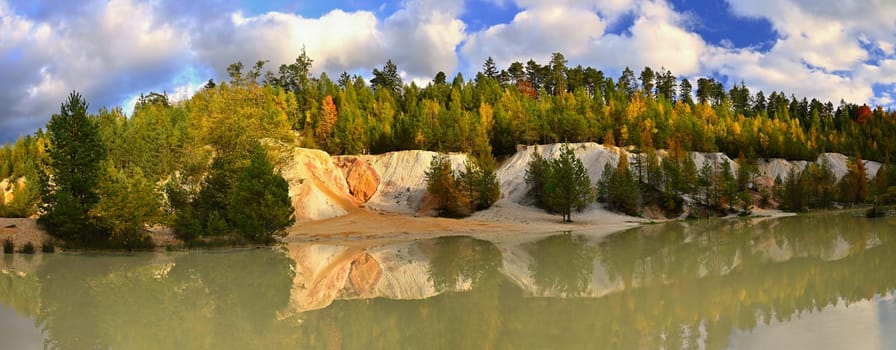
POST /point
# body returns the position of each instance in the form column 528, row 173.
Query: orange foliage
column 863, row 114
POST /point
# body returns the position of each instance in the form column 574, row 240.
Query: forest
column 175, row 143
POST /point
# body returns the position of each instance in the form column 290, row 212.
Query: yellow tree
column 328, row 117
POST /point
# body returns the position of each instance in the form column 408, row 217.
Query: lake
column 814, row 281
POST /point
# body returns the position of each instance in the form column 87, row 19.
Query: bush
column 48, row 247
column 8, row 247
column 28, row 248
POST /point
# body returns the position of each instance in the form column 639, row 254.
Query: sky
column 111, row 51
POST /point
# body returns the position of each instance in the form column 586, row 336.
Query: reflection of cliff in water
column 567, row 265
column 669, row 285
column 673, row 285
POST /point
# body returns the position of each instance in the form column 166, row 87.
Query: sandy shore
column 504, row 221
column 21, row 231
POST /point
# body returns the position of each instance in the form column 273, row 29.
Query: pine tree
column 619, row 187
column 537, row 172
column 568, row 187
column 387, row 79
column 489, row 68
column 74, row 159
column 260, row 207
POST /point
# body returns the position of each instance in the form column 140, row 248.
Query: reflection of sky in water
column 18, row 332
column 868, row 324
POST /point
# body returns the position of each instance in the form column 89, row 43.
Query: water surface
column 817, row 281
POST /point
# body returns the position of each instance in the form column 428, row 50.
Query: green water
column 818, row 281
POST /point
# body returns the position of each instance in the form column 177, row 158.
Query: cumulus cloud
column 536, row 33
column 105, row 55
column 420, row 38
column 111, row 51
column 658, row 36
column 335, row 41
column 823, row 49
column 828, row 49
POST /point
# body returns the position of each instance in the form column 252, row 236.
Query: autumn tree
column 854, row 185
column 442, row 184
column 128, row 204
column 328, row 120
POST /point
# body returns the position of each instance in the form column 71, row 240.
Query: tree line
column 674, row 183
column 524, row 103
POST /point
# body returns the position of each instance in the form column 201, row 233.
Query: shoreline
column 505, row 221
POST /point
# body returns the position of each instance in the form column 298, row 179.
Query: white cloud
column 105, row 55
column 121, row 48
column 111, row 51
column 335, row 41
column 658, row 37
column 536, row 33
column 420, row 38
column 820, row 52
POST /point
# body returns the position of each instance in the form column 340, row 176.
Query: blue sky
column 113, row 50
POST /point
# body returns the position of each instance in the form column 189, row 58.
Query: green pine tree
column 568, row 187
column 75, row 153
column 260, row 207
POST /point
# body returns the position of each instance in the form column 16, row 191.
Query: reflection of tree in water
column 719, row 275
column 460, row 259
column 21, row 293
column 563, row 264
column 220, row 301
column 197, row 300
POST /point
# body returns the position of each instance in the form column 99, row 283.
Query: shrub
column 48, row 247
column 28, row 248
column 8, row 247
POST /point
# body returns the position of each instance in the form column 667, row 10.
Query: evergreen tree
column 619, row 187
column 260, row 207
column 792, row 193
column 74, row 159
column 387, row 79
column 490, row 69
column 568, row 187
column 537, row 172
column 684, row 94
